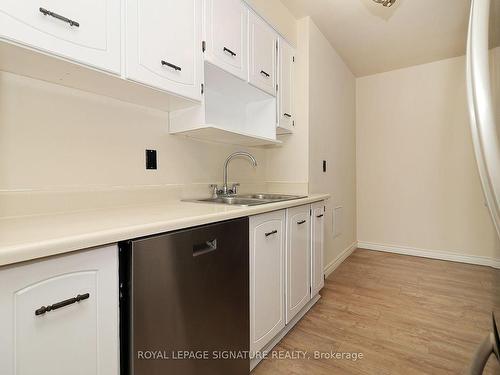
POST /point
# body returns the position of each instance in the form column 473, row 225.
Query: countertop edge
column 23, row 252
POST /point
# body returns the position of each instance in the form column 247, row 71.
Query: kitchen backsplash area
column 63, row 144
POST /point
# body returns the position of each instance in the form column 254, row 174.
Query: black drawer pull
column 46, row 12
column 175, row 67
column 265, row 74
column 229, row 51
column 44, row 309
column 205, row 247
column 271, row 233
column 287, row 115
column 301, row 222
column 320, row 216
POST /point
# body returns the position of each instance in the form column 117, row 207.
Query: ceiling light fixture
column 386, row 3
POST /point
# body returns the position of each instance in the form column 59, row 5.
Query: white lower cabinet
column 286, row 268
column 59, row 315
column 298, row 258
column 267, row 277
column 317, row 247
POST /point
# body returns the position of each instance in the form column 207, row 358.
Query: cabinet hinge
column 202, row 89
column 293, row 58
column 203, row 46
column 310, row 212
column 310, row 290
column 276, row 87
column 293, row 122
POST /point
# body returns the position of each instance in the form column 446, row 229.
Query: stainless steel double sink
column 246, row 200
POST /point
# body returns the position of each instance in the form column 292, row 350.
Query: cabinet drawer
column 87, row 31
column 59, row 315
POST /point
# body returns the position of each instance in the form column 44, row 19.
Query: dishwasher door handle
column 205, row 247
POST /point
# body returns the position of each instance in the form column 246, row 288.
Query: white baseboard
column 433, row 254
column 330, row 267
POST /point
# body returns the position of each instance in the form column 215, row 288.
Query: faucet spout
column 231, row 157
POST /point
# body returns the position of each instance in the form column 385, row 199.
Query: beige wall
column 417, row 181
column 289, row 162
column 277, row 15
column 332, row 137
column 53, row 137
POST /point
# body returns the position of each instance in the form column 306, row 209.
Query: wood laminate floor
column 407, row 315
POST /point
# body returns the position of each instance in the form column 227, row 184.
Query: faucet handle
column 234, row 189
column 215, row 190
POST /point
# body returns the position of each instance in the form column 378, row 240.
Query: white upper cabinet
column 262, row 41
column 59, row 315
column 226, row 23
column 298, row 283
column 86, row 31
column 267, row 277
column 317, row 247
column 286, row 112
column 163, row 44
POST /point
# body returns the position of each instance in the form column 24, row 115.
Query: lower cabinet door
column 317, row 247
column 267, row 267
column 298, row 280
column 59, row 316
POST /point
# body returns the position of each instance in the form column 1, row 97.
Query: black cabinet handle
column 229, row 51
column 264, row 74
column 205, row 247
column 46, row 12
column 271, row 233
column 301, row 222
column 44, row 309
column 287, row 115
column 320, row 216
column 175, row 67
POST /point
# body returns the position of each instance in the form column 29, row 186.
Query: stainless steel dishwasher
column 184, row 302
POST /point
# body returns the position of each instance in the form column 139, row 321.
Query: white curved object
column 481, row 109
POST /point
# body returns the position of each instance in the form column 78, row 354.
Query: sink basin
column 274, row 197
column 249, row 199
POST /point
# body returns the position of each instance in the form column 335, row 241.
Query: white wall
column 417, row 180
column 332, row 137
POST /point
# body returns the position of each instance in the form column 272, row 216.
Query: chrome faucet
column 234, row 189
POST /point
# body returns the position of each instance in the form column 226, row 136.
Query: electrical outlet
column 151, row 161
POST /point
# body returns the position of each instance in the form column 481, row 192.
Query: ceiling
column 373, row 39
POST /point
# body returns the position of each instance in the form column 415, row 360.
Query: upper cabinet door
column 164, row 45
column 263, row 44
column 226, row 23
column 298, row 284
column 86, row 31
column 286, row 118
column 317, row 249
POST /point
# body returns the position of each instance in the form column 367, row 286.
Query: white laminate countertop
column 31, row 237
